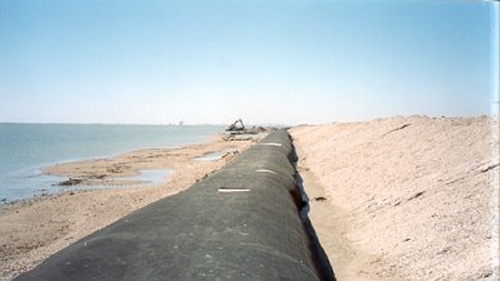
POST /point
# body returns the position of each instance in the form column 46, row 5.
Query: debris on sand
column 70, row 182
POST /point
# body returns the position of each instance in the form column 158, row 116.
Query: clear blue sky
column 286, row 62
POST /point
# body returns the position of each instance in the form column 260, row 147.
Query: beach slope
column 404, row 198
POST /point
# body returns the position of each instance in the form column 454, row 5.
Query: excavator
column 237, row 126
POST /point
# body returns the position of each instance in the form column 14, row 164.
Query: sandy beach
column 402, row 198
column 32, row 230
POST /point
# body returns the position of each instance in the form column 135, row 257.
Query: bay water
column 26, row 148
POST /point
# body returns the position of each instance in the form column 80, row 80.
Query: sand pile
column 411, row 198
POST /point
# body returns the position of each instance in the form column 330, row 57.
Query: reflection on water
column 214, row 156
column 34, row 183
column 152, row 177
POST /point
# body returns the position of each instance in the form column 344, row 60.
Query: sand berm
column 401, row 198
column 408, row 198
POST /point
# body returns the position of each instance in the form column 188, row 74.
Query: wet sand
column 32, row 230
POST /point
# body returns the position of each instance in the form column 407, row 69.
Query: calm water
column 25, row 148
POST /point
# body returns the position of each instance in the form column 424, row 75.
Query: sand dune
column 408, row 198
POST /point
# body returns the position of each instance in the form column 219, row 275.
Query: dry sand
column 407, row 198
column 32, row 230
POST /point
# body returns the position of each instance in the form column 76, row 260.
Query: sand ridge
column 408, row 198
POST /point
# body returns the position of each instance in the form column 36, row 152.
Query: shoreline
column 399, row 198
column 33, row 229
column 30, row 148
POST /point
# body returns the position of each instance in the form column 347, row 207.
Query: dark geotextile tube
column 247, row 221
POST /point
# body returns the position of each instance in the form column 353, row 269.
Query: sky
column 267, row 62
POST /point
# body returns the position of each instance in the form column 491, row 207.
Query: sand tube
column 241, row 223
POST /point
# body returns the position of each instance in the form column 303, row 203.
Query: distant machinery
column 236, row 126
